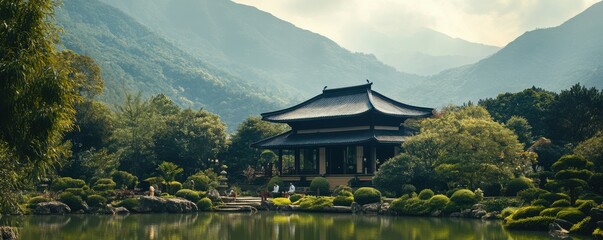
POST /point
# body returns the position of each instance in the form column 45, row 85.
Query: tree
column 240, row 154
column 522, row 129
column 169, row 171
column 468, row 148
column 592, row 149
column 395, row 173
column 571, row 175
column 576, row 115
column 533, row 104
column 37, row 96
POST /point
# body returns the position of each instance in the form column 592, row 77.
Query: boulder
column 371, row 208
column 356, row 207
column 491, row 215
column 456, row 215
column 8, row 233
column 435, row 213
column 565, row 225
column 478, row 213
column 477, row 206
column 121, row 211
column 161, row 205
column 54, row 207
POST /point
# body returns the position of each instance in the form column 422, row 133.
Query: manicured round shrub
column 410, row 206
column 530, row 194
column 188, row 194
column 498, row 204
column 551, row 212
column 561, row 203
column 526, row 212
column 104, row 184
column 579, row 174
column 592, row 196
column 276, row 180
column 74, row 202
column 129, row 203
column 63, row 183
column 508, row 211
column 426, row 194
column 96, row 201
column 571, row 162
column 320, row 185
column 586, row 226
column 173, row 187
column 342, row 200
column 518, row 184
column 586, row 205
column 35, row 200
column 552, row 197
column 311, row 203
column 367, row 195
column 531, row 223
column 340, row 188
column 77, row 192
column 281, row 201
column 540, row 202
column 204, row 204
column 295, row 197
column 463, row 197
column 345, row 193
column 124, row 180
column 571, row 214
column 200, row 182
column 438, row 202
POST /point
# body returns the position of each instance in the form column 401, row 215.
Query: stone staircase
column 241, row 204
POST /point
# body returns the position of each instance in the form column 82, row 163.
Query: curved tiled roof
column 292, row 139
column 346, row 102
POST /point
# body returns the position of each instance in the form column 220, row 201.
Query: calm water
column 264, row 225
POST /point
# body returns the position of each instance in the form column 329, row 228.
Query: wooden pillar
column 322, row 161
column 373, row 159
column 297, row 162
column 359, row 155
column 280, row 161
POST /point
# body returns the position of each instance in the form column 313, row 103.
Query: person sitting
column 291, row 189
column 275, row 189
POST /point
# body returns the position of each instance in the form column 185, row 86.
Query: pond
column 263, row 225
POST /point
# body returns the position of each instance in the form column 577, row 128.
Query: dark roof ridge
column 357, row 88
column 397, row 102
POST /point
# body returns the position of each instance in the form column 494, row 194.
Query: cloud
column 494, row 22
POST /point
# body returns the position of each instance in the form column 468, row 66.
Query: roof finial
column 324, row 88
column 367, row 81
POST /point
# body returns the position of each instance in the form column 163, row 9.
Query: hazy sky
column 493, row 22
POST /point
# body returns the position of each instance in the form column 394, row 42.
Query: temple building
column 341, row 134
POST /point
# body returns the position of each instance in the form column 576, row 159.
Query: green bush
column 426, row 194
column 200, row 182
column 508, row 211
column 74, row 202
column 281, row 201
column 438, row 202
column 561, row 203
column 531, row 223
column 173, row 187
column 571, row 214
column 411, row 206
column 320, row 185
column 569, row 173
column 586, row 205
column 530, row 194
column 498, row 204
column 204, row 204
column 552, row 197
column 453, row 207
column 345, row 193
column 592, row 196
column 96, row 201
column 463, row 197
column 366, row 195
column 63, row 183
column 35, row 200
column 540, row 202
column 340, row 188
column 342, row 200
column 276, row 180
column 77, row 192
column 188, row 194
column 104, row 184
column 129, row 203
column 551, row 212
column 315, row 203
column 526, row 212
column 166, row 195
column 571, row 162
column 518, row 184
column 124, row 180
column 295, row 197
column 598, row 234
column 586, row 226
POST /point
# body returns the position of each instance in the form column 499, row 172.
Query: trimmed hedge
column 411, row 206
column 508, row 211
column 35, row 200
column 340, row 188
column 96, row 201
column 463, row 197
column 63, row 183
column 552, row 197
column 518, row 184
column 295, row 197
column 281, row 201
column 173, row 187
column 586, row 226
column 129, row 203
column 276, row 180
column 571, row 214
column 104, row 184
column 561, row 203
column 426, row 194
column 201, row 182
column 320, row 185
column 315, row 203
column 204, row 204
column 367, row 195
column 498, row 204
column 73, row 201
column 124, row 180
column 586, row 205
column 530, row 194
column 540, row 202
column 551, row 212
column 342, row 200
column 345, row 193
column 531, row 223
column 438, row 202
column 526, row 212
column 188, row 194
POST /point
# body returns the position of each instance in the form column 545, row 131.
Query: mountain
column 134, row 59
column 423, row 51
column 262, row 49
column 552, row 58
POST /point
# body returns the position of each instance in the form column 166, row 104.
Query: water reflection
column 265, row 225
